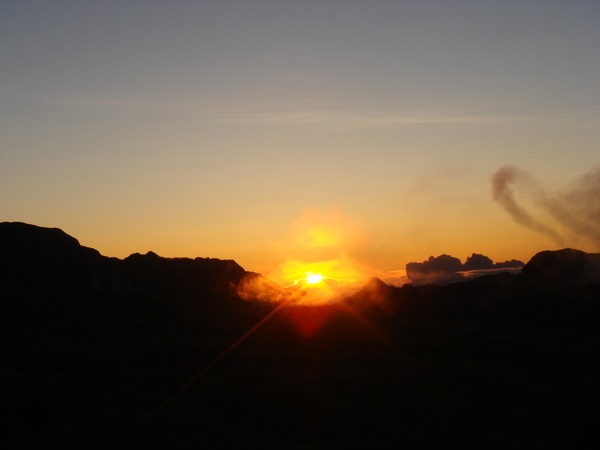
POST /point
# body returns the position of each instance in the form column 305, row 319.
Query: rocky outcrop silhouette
column 34, row 255
column 374, row 295
column 563, row 269
column 186, row 276
column 45, row 272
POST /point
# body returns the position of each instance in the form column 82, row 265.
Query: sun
column 314, row 278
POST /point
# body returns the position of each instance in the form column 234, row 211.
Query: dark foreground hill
column 145, row 352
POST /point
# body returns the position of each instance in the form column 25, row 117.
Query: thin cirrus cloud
column 107, row 103
column 352, row 120
column 315, row 118
column 338, row 119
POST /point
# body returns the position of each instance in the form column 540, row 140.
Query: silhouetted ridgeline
column 46, row 269
column 43, row 265
column 91, row 345
column 558, row 286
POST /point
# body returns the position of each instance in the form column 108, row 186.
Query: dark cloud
column 442, row 263
column 575, row 212
column 478, row 262
column 512, row 264
column 445, row 269
column 442, row 269
column 482, row 262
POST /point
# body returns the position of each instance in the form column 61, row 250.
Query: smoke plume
column 575, row 212
column 503, row 194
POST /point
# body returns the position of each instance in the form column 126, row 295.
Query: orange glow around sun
column 319, row 282
column 317, row 270
column 317, row 229
column 343, row 270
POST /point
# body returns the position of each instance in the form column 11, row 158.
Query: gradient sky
column 217, row 128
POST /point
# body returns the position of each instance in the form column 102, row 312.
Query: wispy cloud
column 337, row 119
column 104, row 102
column 341, row 119
column 124, row 103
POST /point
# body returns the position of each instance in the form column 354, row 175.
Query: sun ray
column 198, row 374
column 358, row 316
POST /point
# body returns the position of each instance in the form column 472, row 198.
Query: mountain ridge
column 45, row 266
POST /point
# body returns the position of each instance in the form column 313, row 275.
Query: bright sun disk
column 314, row 278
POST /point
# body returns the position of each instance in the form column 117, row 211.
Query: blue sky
column 208, row 128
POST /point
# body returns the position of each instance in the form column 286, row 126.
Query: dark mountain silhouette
column 189, row 276
column 47, row 271
column 44, row 258
column 562, row 269
column 152, row 352
column 374, row 295
column 558, row 286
